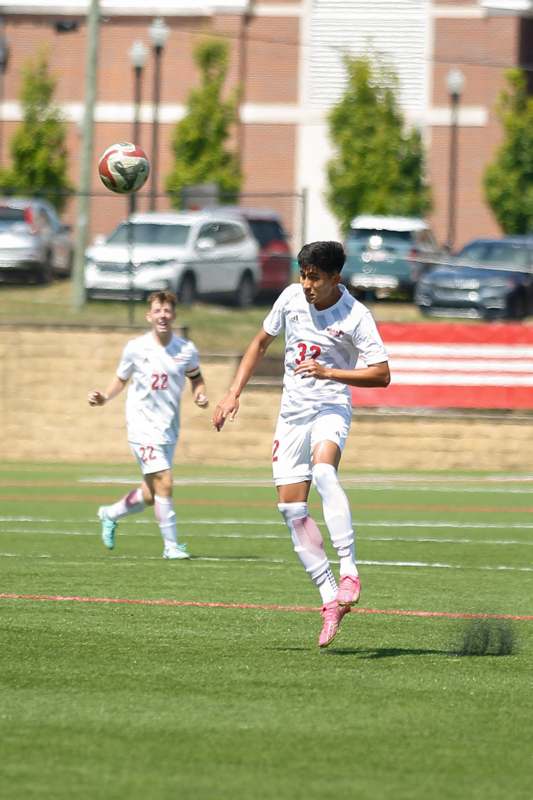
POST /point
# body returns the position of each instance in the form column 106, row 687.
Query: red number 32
column 314, row 351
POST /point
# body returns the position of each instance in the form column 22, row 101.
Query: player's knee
column 162, row 484
column 292, row 511
column 324, row 478
column 148, row 495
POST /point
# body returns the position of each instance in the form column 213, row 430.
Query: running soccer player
column 157, row 363
column 326, row 330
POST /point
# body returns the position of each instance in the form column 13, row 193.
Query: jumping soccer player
column 157, row 364
column 326, row 330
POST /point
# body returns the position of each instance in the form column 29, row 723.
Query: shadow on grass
column 386, row 652
column 480, row 637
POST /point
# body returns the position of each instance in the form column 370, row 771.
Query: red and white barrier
column 455, row 365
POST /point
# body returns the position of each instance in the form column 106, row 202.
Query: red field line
column 256, row 606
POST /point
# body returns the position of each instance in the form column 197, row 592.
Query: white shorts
column 153, row 458
column 294, row 443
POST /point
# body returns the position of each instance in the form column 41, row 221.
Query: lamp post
column 455, row 83
column 4, row 54
column 137, row 54
column 158, row 32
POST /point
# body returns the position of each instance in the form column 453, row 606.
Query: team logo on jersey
column 335, row 332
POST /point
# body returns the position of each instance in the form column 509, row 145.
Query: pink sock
column 131, row 503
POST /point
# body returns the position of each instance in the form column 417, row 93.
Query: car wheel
column 67, row 273
column 245, row 294
column 517, row 307
column 46, row 272
column 187, row 291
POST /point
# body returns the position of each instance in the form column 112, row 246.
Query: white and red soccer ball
column 124, row 168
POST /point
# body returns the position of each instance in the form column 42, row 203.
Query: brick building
column 287, row 56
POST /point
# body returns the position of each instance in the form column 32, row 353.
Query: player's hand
column 226, row 409
column 311, row 368
column 96, row 398
column 201, row 400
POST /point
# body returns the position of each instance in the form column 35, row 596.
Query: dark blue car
column 487, row 279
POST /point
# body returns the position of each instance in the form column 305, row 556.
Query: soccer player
column 157, row 364
column 326, row 330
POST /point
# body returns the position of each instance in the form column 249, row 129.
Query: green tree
column 39, row 161
column 379, row 164
column 508, row 180
column 200, row 137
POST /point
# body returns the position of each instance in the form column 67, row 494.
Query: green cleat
column 109, row 527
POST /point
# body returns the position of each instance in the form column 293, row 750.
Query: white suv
column 197, row 254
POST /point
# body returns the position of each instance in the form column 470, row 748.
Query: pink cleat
column 349, row 591
column 332, row 615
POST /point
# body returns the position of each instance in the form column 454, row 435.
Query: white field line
column 265, row 523
column 283, row 536
column 128, row 560
column 183, row 523
column 278, row 537
column 376, row 482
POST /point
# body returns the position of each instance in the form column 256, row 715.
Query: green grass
column 137, row 702
column 215, row 328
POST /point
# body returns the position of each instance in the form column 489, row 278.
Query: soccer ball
column 123, row 168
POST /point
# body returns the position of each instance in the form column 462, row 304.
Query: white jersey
column 336, row 337
column 157, row 379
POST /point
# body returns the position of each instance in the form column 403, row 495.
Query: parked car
column 487, row 279
column 197, row 254
column 275, row 260
column 386, row 255
column 34, row 244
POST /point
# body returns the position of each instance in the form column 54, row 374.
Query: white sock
column 131, row 503
column 337, row 516
column 309, row 546
column 166, row 518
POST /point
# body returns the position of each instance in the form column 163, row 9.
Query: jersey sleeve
column 274, row 322
column 367, row 339
column 126, row 363
column 192, row 369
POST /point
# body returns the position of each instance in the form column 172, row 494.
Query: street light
column 4, row 55
column 158, row 32
column 455, row 83
column 138, row 54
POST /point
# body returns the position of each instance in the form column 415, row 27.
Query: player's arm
column 374, row 375
column 229, row 405
column 198, row 389
column 97, row 398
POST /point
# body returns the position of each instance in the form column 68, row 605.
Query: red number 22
column 159, row 380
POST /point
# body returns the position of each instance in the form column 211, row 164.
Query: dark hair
column 162, row 297
column 327, row 256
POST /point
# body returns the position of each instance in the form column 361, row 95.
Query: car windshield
column 363, row 238
column 499, row 254
column 150, row 233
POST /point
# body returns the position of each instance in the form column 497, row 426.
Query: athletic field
column 126, row 677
